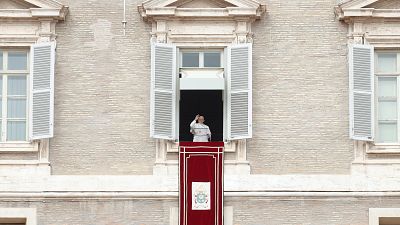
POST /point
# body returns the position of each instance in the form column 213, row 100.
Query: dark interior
column 204, row 102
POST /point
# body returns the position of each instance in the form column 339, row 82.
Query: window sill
column 18, row 147
column 383, row 149
column 173, row 147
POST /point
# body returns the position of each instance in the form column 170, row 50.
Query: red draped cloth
column 201, row 183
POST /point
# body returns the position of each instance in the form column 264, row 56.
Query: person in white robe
column 200, row 131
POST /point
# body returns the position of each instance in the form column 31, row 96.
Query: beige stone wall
column 102, row 91
column 99, row 212
column 307, row 211
column 246, row 211
column 300, row 90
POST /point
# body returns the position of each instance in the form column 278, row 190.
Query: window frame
column 4, row 96
column 376, row 101
column 201, row 57
column 201, row 51
column 17, row 214
column 376, row 213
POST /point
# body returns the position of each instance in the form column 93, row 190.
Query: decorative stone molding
column 371, row 22
column 364, row 9
column 152, row 9
column 30, row 21
column 201, row 22
column 37, row 9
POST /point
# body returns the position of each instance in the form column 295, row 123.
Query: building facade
column 96, row 95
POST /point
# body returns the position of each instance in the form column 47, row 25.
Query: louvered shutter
column 42, row 91
column 361, row 74
column 239, row 94
column 163, row 91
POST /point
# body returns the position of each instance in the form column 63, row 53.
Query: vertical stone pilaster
column 46, row 30
column 43, row 147
column 358, row 33
column 161, row 31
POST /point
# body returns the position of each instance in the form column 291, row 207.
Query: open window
column 208, row 103
column 373, row 71
column 26, row 93
column 212, row 44
column 374, row 89
column 220, row 79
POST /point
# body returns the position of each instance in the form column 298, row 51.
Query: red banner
column 201, row 183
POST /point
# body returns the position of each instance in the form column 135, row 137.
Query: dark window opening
column 204, row 102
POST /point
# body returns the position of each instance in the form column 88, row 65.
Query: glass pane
column 1, row 60
column 16, row 131
column 16, row 108
column 17, row 60
column 388, row 110
column 190, row 59
column 16, row 85
column 387, row 86
column 212, row 59
column 387, row 132
column 387, row 63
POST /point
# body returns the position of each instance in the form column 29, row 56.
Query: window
column 201, row 70
column 14, row 72
column 374, row 91
column 386, row 97
column 26, row 93
column 201, row 59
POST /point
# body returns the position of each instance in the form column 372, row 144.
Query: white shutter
column 239, row 94
column 361, row 74
column 163, row 91
column 41, row 91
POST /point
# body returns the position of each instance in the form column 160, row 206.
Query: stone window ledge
column 383, row 149
column 18, row 147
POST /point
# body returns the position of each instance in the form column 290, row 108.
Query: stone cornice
column 165, row 3
column 200, row 12
column 356, row 4
column 45, row 3
column 354, row 9
column 153, row 9
column 45, row 9
column 344, row 14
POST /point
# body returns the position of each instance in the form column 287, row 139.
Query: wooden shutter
column 42, row 91
column 163, row 91
column 239, row 91
column 361, row 74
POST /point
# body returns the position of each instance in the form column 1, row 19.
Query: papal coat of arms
column 201, row 196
